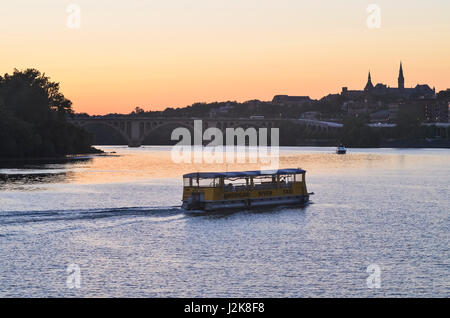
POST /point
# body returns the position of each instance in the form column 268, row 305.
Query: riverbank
column 8, row 162
column 421, row 143
column 393, row 143
column 418, row 143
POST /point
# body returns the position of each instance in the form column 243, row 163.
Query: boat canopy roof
column 209, row 175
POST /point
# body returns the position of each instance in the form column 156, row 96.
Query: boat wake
column 15, row 217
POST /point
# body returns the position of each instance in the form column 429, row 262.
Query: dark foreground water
column 117, row 219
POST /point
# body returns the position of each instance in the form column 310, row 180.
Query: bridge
column 318, row 124
column 135, row 129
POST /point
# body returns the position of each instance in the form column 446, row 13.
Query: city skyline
column 172, row 54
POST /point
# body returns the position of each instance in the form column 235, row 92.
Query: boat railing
column 284, row 185
column 260, row 186
column 233, row 187
column 265, row 186
column 236, row 188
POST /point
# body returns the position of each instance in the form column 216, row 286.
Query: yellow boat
column 209, row 191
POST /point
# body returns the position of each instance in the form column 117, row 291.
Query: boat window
column 265, row 182
column 286, row 180
column 205, row 183
column 299, row 177
column 236, row 184
column 187, row 182
column 264, row 179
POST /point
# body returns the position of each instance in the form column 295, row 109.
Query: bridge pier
column 134, row 143
column 135, row 133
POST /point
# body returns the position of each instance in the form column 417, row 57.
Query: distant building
column 369, row 85
column 379, row 90
column 393, row 112
column 331, row 98
column 381, row 116
column 401, row 78
column 257, row 117
column 311, row 115
column 431, row 110
column 287, row 100
column 352, row 94
column 444, row 97
column 219, row 111
column 436, row 112
column 355, row 107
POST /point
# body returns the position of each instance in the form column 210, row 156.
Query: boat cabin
column 243, row 188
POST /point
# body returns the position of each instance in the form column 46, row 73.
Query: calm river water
column 118, row 220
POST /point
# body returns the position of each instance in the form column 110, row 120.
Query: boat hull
column 298, row 200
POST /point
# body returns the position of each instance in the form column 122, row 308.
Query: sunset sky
column 171, row 53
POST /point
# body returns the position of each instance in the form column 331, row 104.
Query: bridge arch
column 150, row 129
column 116, row 128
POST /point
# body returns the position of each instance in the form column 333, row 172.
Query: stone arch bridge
column 136, row 129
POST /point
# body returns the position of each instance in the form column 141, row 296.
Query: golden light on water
column 155, row 163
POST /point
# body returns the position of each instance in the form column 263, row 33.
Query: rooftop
column 237, row 174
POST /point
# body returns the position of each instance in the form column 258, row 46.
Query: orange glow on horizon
column 172, row 54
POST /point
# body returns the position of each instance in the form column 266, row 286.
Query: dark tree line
column 33, row 115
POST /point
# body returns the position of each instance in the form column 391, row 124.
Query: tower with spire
column 369, row 84
column 401, row 79
column 380, row 89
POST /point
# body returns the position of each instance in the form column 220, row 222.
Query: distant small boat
column 341, row 150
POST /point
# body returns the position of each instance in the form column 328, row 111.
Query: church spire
column 401, row 78
column 369, row 84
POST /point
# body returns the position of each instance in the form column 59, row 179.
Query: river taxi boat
column 210, row 191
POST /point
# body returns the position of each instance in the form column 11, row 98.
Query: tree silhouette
column 33, row 115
